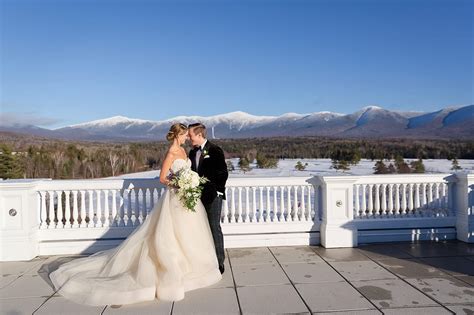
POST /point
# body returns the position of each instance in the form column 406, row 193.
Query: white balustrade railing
column 266, row 200
column 399, row 196
column 79, row 204
column 45, row 217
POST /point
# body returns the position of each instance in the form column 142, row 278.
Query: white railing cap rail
column 92, row 184
column 384, row 179
column 268, row 181
column 406, row 178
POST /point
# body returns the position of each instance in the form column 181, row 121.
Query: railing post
column 19, row 220
column 464, row 207
column 337, row 227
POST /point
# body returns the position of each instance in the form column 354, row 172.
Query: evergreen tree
column 300, row 167
column 417, row 166
column 10, row 166
column 401, row 166
column 266, row 162
column 244, row 164
column 340, row 165
column 380, row 167
column 455, row 165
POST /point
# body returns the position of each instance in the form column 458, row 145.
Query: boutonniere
column 205, row 154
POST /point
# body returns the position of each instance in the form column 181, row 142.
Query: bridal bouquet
column 188, row 187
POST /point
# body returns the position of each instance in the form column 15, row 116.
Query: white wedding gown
column 170, row 253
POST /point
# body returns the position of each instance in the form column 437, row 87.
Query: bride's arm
column 165, row 167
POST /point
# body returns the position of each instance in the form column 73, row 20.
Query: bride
column 170, row 253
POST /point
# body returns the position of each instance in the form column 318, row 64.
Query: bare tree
column 58, row 161
column 114, row 162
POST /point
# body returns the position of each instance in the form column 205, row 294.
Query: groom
column 208, row 160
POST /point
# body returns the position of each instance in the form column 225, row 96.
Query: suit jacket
column 212, row 165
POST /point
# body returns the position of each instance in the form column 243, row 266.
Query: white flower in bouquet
column 188, row 186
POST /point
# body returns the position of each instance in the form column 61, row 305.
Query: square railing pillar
column 464, row 207
column 337, row 226
column 19, row 220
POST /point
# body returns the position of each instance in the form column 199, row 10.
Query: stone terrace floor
column 397, row 278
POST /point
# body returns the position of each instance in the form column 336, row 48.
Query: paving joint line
column 347, row 281
column 291, row 281
column 233, row 280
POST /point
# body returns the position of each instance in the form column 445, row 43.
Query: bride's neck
column 175, row 145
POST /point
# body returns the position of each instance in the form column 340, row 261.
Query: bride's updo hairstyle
column 175, row 131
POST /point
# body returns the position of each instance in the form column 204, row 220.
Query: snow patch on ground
column 286, row 167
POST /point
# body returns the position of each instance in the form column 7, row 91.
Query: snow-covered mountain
column 369, row 122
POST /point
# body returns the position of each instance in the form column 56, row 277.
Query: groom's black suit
column 212, row 165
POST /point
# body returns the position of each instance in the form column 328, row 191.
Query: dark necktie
column 198, row 156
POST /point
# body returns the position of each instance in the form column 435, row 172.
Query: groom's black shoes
column 221, row 269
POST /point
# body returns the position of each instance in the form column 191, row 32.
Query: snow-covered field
column 286, row 167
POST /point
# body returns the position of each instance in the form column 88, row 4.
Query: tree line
column 61, row 159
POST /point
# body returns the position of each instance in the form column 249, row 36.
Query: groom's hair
column 198, row 128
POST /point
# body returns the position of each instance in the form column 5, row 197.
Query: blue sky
column 65, row 62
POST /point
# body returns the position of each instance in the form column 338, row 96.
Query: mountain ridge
column 368, row 122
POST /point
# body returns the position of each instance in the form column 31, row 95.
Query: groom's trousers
column 214, row 216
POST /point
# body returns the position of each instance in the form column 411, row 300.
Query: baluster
column 122, row 215
column 404, row 199
column 152, row 200
column 107, row 217
column 44, row 212
column 357, row 211
column 424, row 200
column 130, row 212
column 364, row 200
column 281, row 217
column 267, row 210
column 397, row 199
column 225, row 218
column 98, row 213
column 144, row 208
column 90, row 212
column 390, row 200
column 232, row 205
column 309, row 217
column 370, row 206
column 384, row 200
column 254, row 204
column 438, row 200
column 288, row 204
column 136, row 210
column 303, row 205
column 67, row 210
column 60, row 210
column 82, row 210
column 75, row 210
column 260, row 210
column 274, row 218
column 113, row 220
column 430, row 198
column 417, row 198
column 377, row 200
column 247, row 204
column 53, row 218
column 410, row 199
column 239, row 206
column 294, row 213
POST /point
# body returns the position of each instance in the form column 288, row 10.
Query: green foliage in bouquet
column 188, row 186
